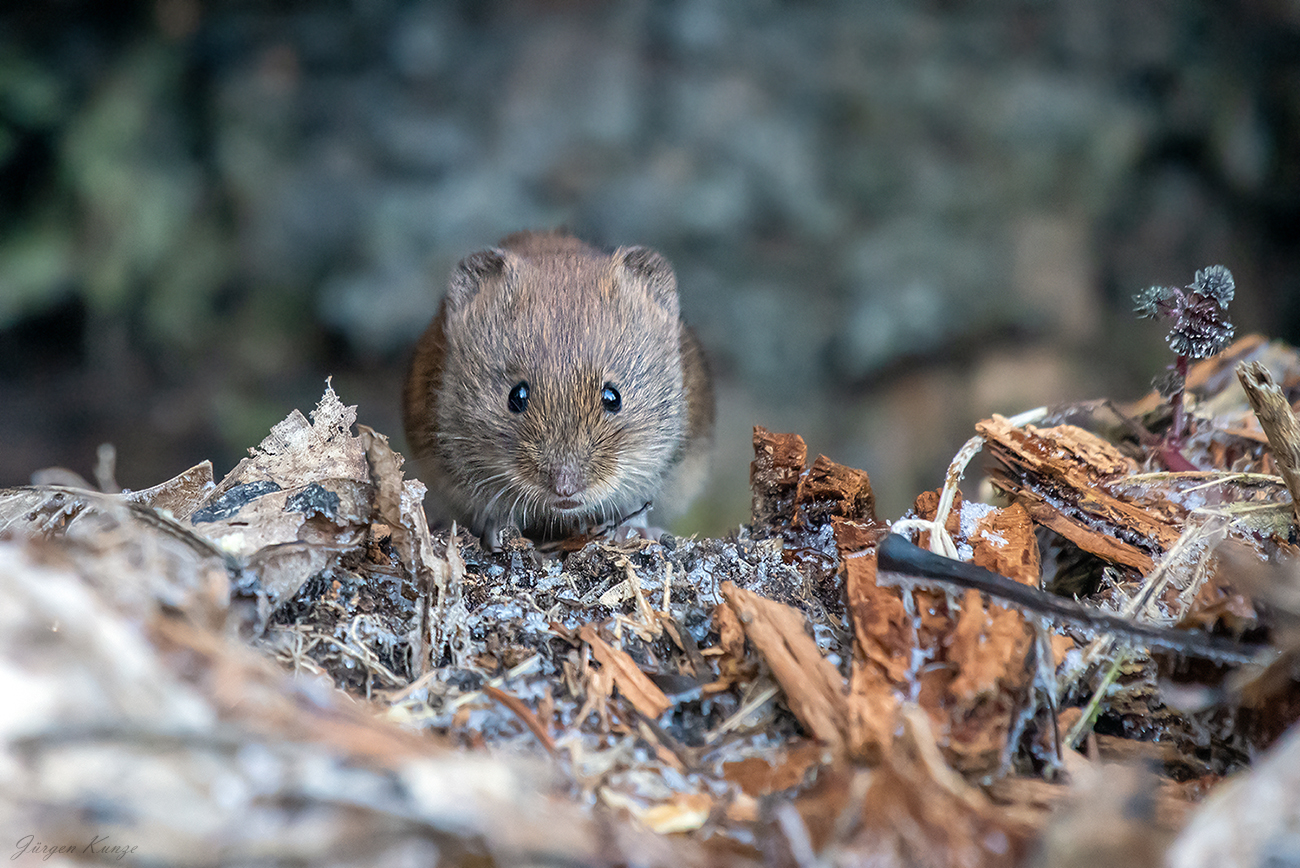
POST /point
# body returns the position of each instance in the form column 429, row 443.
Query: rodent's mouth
column 566, row 503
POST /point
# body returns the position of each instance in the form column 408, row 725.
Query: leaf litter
column 290, row 666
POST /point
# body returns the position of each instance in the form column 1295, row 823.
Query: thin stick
column 900, row 560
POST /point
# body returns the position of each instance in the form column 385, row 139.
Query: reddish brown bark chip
column 731, row 635
column 988, row 645
column 779, row 461
column 965, row 664
column 912, row 809
column 813, row 687
column 854, row 536
column 1061, row 477
column 830, row 489
column 783, row 770
column 883, row 630
column 882, row 643
column 1004, row 542
column 926, row 505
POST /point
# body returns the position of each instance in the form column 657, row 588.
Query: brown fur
column 549, row 310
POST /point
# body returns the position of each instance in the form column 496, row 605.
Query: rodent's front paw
column 492, row 539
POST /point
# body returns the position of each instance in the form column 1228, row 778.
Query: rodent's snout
column 567, row 481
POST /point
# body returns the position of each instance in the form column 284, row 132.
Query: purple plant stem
column 1174, row 460
column 1170, row 451
column 1177, row 428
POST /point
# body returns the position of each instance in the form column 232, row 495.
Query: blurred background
column 888, row 219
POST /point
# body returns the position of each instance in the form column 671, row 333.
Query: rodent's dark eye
column 518, row 400
column 610, row 399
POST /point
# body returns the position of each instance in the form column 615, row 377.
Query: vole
column 557, row 390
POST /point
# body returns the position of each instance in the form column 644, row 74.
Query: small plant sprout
column 1201, row 329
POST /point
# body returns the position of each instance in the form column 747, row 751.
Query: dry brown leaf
column 386, row 473
column 298, row 502
column 178, row 496
column 169, row 565
column 298, row 452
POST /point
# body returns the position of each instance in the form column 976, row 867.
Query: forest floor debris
column 288, row 665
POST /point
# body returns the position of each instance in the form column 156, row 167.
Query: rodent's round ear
column 650, row 270
column 473, row 273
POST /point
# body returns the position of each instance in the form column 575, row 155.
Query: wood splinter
column 1279, row 423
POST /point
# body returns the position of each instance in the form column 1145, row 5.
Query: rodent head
column 562, row 401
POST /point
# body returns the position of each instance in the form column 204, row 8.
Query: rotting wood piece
column 779, row 462
column 785, row 490
column 1062, row 477
column 966, row 663
column 883, row 639
column 830, row 489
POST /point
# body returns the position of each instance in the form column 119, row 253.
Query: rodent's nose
column 567, row 480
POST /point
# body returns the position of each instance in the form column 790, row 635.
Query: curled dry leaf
column 298, row 502
column 172, row 566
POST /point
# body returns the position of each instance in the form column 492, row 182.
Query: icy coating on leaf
column 1215, row 282
column 1201, row 327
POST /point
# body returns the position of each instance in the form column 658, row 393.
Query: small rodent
column 558, row 390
